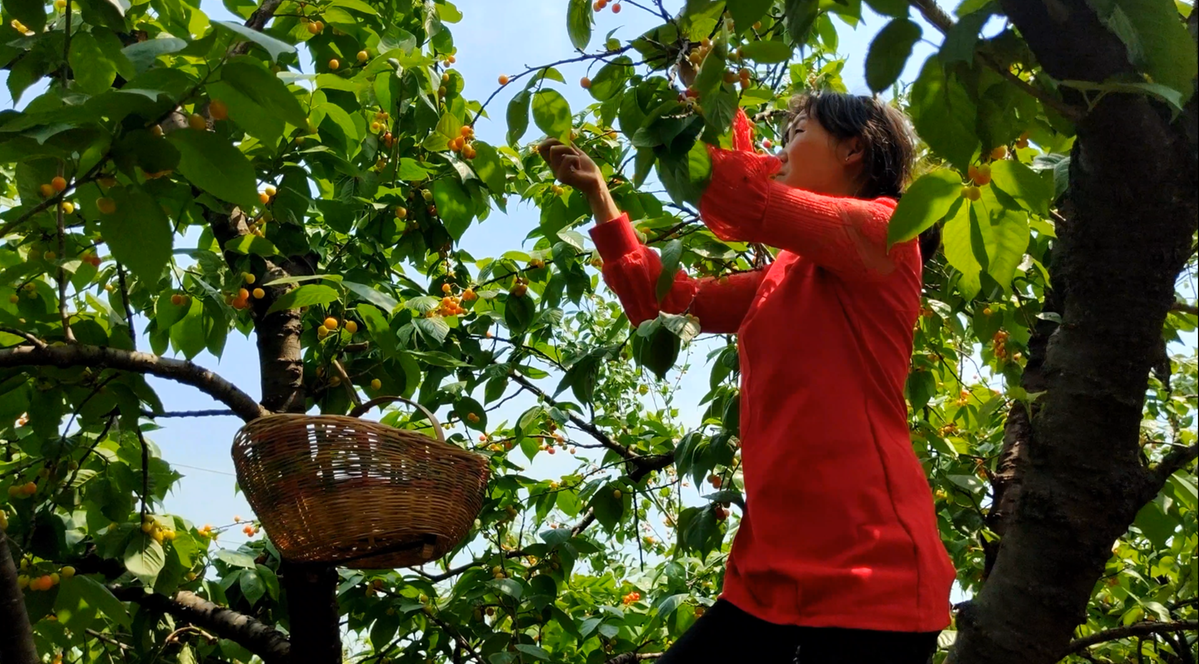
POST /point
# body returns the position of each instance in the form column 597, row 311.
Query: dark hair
column 888, row 143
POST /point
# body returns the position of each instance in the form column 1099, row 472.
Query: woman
column 838, row 557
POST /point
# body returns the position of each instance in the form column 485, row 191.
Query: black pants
column 728, row 635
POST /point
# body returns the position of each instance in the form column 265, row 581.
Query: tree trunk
column 16, row 636
column 1114, row 269
column 311, row 590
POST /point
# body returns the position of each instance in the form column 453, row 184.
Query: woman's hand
column 571, row 166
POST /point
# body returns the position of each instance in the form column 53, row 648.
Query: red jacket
column 839, row 528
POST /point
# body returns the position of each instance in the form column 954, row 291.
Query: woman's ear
column 850, row 152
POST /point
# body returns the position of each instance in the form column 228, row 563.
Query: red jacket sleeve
column 847, row 236
column 631, row 269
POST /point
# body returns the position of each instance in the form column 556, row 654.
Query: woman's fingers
column 544, row 148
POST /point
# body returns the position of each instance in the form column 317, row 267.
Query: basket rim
column 247, row 435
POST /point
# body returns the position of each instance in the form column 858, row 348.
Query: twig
column 26, row 335
column 515, row 77
column 107, row 639
column 141, row 439
column 185, row 372
column 630, row 657
column 586, row 426
column 213, row 412
column 1137, row 629
column 943, row 22
column 1185, row 308
column 125, row 304
column 1176, row 460
column 67, row 334
column 462, row 642
column 17, row 646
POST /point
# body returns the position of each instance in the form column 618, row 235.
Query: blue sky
column 493, row 38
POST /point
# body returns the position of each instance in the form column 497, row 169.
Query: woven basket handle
column 360, row 410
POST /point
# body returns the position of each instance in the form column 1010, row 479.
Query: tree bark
column 186, row 372
column 311, row 590
column 16, row 635
column 262, row 640
column 1132, row 189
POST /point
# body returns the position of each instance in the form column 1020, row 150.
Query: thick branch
column 1136, row 629
column 80, row 355
column 16, row 645
column 262, row 640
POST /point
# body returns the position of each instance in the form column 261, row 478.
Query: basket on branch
column 355, row 493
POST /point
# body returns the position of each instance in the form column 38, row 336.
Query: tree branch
column 1176, row 460
column 16, row 646
column 1185, row 308
column 630, row 657
column 1137, row 629
column 262, row 640
column 178, row 370
column 943, row 22
column 583, row 424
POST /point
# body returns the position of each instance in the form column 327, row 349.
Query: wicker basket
column 356, row 493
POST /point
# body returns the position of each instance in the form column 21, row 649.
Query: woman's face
column 816, row 161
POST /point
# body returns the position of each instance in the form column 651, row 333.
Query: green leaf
column 235, row 558
column 655, row 347
column 962, row 38
column 578, row 23
column 188, row 335
column 378, row 329
column 611, row 78
column 686, row 176
column 608, row 505
column 138, row 233
column 924, row 203
column 767, row 52
column 255, row 81
column 895, row 8
column 380, row 299
column 800, row 15
column 144, row 54
column 551, row 112
column 536, row 652
column 272, row 46
column 248, row 114
column 1010, row 236
column 1156, row 38
column 1031, row 189
column 144, row 558
column 166, row 313
column 671, row 254
column 747, row 12
column 251, row 586
column 80, row 594
column 518, row 312
column 305, row 296
column 435, row 329
column 454, row 206
column 252, row 244
column 699, row 531
column 212, row 163
column 30, row 12
column 489, row 167
column 889, row 52
column 509, row 587
column 518, row 116
column 959, row 251
column 94, row 72
column 944, row 115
